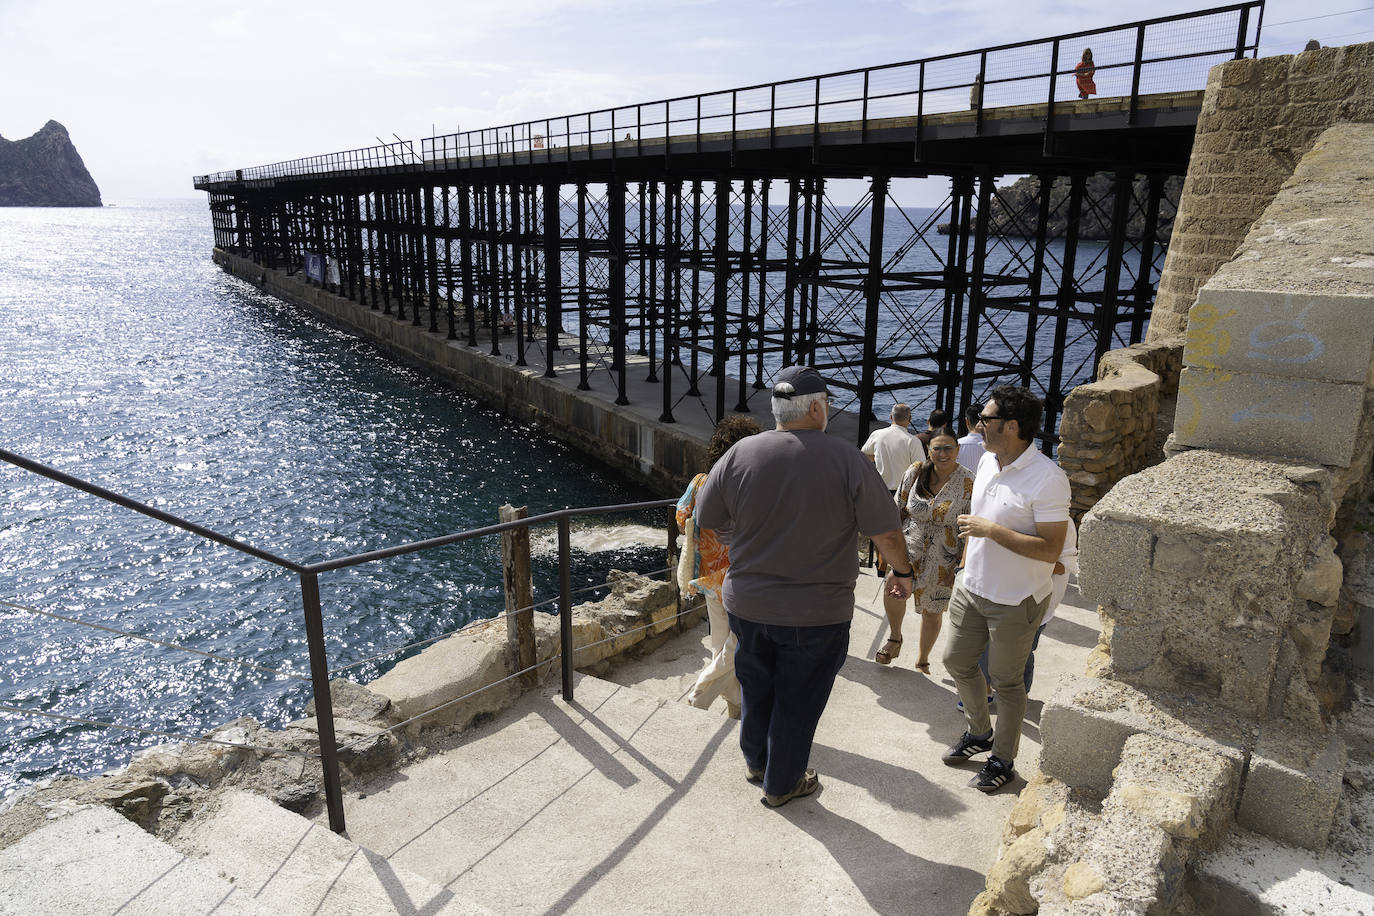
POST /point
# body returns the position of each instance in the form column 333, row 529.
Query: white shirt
column 894, row 449
column 1060, row 581
column 971, row 450
column 1031, row 490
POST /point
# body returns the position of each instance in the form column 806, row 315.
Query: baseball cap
column 795, row 380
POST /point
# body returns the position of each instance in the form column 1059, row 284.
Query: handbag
column 687, row 559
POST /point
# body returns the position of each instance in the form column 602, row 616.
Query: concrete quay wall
column 662, row 456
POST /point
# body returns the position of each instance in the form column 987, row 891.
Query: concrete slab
column 296, row 867
column 1248, row 413
column 1252, row 874
column 1289, row 796
column 628, row 800
column 1288, row 334
column 94, row 862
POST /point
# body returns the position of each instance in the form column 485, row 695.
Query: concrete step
column 623, row 802
column 296, row 867
column 1252, row 875
column 94, row 862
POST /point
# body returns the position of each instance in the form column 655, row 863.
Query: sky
column 156, row 92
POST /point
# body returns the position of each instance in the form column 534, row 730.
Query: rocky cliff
column 45, row 170
column 1014, row 208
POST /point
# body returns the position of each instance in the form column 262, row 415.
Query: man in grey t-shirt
column 797, row 500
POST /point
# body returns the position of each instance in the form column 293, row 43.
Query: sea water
column 128, row 359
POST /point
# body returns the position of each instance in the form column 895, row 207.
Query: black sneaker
column 995, row 774
column 966, row 747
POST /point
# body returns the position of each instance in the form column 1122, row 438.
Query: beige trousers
column 717, row 679
column 1007, row 631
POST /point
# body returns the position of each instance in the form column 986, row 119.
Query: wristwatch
column 909, row 574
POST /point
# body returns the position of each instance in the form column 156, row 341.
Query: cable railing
column 1150, row 56
column 320, row 670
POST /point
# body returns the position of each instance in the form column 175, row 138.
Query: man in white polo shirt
column 894, row 448
column 1016, row 527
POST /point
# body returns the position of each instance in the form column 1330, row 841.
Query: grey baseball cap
column 795, row 380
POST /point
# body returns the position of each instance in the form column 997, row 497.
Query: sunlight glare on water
column 128, row 359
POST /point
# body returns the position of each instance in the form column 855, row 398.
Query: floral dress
column 713, row 557
column 932, row 533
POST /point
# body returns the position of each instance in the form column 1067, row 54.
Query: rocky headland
column 1015, row 208
column 45, row 170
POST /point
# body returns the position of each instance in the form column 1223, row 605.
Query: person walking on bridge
column 1083, row 75
column 796, row 500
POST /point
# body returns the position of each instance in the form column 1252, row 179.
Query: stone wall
column 1258, row 118
column 1220, row 577
column 1108, row 426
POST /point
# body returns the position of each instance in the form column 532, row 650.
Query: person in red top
column 1083, row 75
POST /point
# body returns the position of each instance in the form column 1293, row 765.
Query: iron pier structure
column 701, row 236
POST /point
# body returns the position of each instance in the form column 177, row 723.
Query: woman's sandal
column 884, row 657
column 923, row 667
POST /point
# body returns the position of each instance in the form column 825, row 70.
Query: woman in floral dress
column 717, row 679
column 931, row 497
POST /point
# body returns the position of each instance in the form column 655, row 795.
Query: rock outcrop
column 45, row 170
column 1015, row 208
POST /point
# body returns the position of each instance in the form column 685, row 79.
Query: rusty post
column 519, row 587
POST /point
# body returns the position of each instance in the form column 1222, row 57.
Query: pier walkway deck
column 630, row 801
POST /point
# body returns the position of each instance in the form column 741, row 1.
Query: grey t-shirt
column 797, row 500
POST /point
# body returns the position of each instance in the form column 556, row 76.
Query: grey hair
column 790, row 410
column 901, row 413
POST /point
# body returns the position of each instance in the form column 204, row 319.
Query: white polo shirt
column 971, row 450
column 1030, row 490
column 894, row 450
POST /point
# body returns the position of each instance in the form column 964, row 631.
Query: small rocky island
column 1015, row 207
column 45, row 170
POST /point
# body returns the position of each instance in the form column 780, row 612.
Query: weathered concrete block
column 1187, row 791
column 1247, row 413
column 445, row 672
column 1086, row 724
column 1113, row 560
column 1289, row 334
column 1291, row 791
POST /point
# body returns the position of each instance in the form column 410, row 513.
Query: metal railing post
column 1135, row 76
column 324, row 705
column 565, row 630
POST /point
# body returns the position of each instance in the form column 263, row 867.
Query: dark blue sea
column 129, row 359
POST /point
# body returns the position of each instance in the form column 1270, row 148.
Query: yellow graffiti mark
column 1189, row 392
column 1205, row 342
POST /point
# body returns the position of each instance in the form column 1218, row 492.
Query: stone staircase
column 248, row 857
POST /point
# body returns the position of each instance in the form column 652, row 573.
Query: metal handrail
column 310, row 599
column 476, row 146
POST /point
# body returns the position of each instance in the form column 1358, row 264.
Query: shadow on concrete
column 901, row 787
column 615, row 856
column 601, row 759
column 891, row 879
column 1073, row 634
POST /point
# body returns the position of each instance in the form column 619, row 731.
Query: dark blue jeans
column 785, row 676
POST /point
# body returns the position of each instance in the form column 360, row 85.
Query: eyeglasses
column 943, row 448
column 984, row 418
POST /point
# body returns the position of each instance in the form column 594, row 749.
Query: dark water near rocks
column 129, row 359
